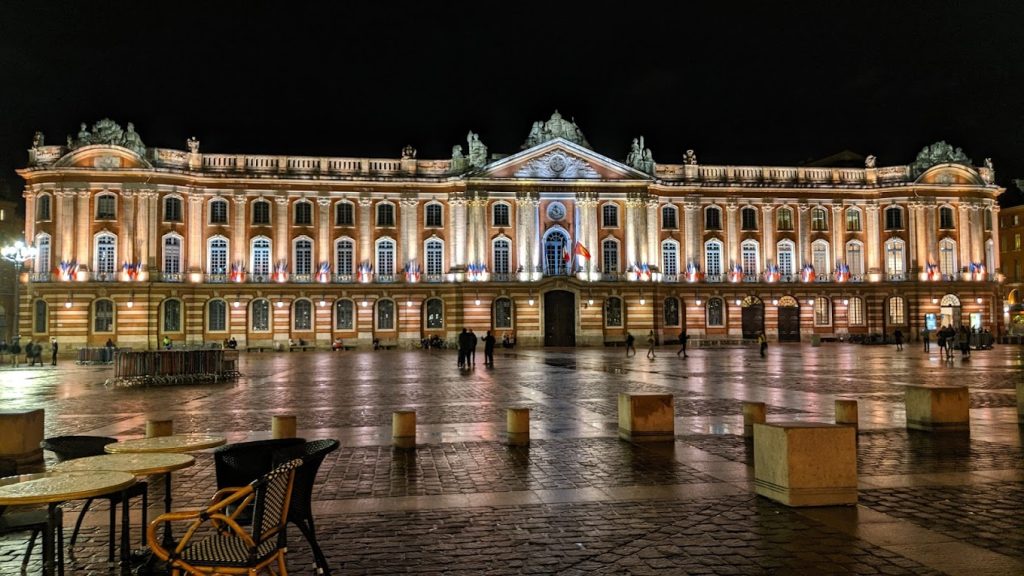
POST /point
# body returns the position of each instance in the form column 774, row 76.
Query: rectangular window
column 853, row 221
column 819, row 220
column 896, row 316
column 343, row 214
column 217, row 319
column 433, row 216
column 713, row 219
column 303, row 213
column 786, row 262
column 501, row 216
column 385, row 215
column 713, row 257
column 748, row 219
column 218, row 212
column 261, row 213
column 822, row 312
column 668, row 218
column 610, row 257
column 105, row 208
column 784, row 219
column 501, row 257
column 893, row 218
column 172, row 210
column 610, row 216
column 39, row 318
column 1016, row 241
column 344, row 319
column 856, row 312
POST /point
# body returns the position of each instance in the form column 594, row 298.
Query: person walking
column 463, row 342
column 683, row 337
column 762, row 341
column 629, row 344
column 897, row 335
column 53, row 351
column 472, row 347
column 926, row 335
column 940, row 339
column 489, row 341
column 15, row 351
column 650, row 344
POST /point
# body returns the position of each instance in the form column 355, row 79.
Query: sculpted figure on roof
column 555, row 127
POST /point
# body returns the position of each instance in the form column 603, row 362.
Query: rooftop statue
column 193, row 145
column 38, row 140
column 555, row 127
column 477, row 150
column 408, row 152
column 870, row 161
column 458, row 160
column 690, row 158
column 640, row 157
column 938, row 153
column 107, row 131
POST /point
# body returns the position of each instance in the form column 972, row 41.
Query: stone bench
column 938, row 408
column 722, row 342
column 301, row 347
column 806, row 463
column 21, row 431
column 387, row 344
column 647, row 417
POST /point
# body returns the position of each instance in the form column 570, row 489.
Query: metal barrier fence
column 103, row 355
column 172, row 367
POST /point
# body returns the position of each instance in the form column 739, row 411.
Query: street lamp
column 17, row 254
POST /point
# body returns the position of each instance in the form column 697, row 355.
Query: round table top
column 138, row 463
column 59, row 486
column 176, row 443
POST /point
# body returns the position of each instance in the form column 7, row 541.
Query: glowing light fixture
column 810, row 301
column 978, row 300
column 365, row 303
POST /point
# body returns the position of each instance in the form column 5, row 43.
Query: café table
column 137, row 464
column 54, row 488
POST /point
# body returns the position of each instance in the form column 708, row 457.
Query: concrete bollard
column 518, row 423
column 647, row 417
column 753, row 413
column 806, row 463
column 403, row 429
column 283, row 427
column 156, row 427
column 21, row 431
column 846, row 413
column 938, row 408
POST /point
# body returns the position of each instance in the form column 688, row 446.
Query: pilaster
column 239, row 242
column 282, row 245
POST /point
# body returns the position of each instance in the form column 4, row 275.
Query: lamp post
column 17, row 254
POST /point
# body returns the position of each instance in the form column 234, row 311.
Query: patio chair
column 224, row 547
column 238, row 464
column 301, row 511
column 33, row 521
column 72, row 447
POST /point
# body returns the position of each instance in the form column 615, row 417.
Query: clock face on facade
column 556, row 211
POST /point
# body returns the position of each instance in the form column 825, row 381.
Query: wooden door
column 559, row 318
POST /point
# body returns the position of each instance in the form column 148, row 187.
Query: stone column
column 407, row 229
column 767, row 235
column 912, row 259
column 30, row 218
column 732, row 235
column 691, row 247
column 632, row 242
column 471, row 231
column 838, row 235
column 127, row 226
column 533, row 216
column 873, row 250
column 964, row 227
column 921, row 235
column 323, row 231
column 152, row 230
column 195, row 233
column 62, row 244
column 83, row 243
column 996, row 264
column 977, row 234
column 239, row 242
column 522, row 238
column 930, row 231
column 582, row 220
column 803, row 242
column 481, row 230
column 459, row 232
column 365, row 240
column 282, row 246
column 142, row 228
column 652, row 231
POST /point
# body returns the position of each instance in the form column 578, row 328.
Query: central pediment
column 560, row 159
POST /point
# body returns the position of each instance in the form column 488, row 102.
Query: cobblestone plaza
column 579, row 500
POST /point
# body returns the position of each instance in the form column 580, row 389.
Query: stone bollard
column 283, row 427
column 21, row 431
column 403, row 429
column 159, row 427
column 1020, row 401
column 647, row 417
column 846, row 413
column 806, row 463
column 753, row 413
column 938, row 408
column 518, row 423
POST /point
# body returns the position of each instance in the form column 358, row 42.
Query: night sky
column 741, row 83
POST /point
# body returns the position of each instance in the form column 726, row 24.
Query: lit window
column 106, row 207
column 822, row 311
column 896, row 311
column 216, row 316
column 502, row 256
column 261, row 315
column 715, row 312
column 613, row 312
column 303, row 256
column 302, row 314
column 503, row 313
column 218, row 260
column 855, row 312
column 385, row 315
column 433, row 216
column 610, row 256
column 852, row 220
column 784, row 219
column 385, row 257
column 219, row 212
column 344, row 318
column 261, row 213
column 343, row 257
column 434, row 252
column 713, row 258
column 713, row 218
column 670, row 257
column 819, row 220
column 500, row 215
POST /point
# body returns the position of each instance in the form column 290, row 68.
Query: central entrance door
column 753, row 316
column 559, row 318
column 789, row 319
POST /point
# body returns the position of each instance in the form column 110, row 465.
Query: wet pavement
column 579, row 500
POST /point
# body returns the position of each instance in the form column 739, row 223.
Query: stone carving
column 988, row 163
column 640, row 157
column 107, row 131
column 555, row 127
column 690, row 158
column 193, row 145
column 870, row 161
column 557, row 164
column 477, row 150
column 38, row 140
column 938, row 153
column 408, row 152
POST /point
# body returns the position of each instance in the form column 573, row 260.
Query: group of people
column 33, row 351
column 950, row 339
column 467, row 348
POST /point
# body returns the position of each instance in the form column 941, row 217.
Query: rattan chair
column 33, row 521
column 238, row 464
column 301, row 511
column 72, row 447
column 214, row 542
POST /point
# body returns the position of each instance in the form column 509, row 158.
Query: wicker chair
column 224, row 547
column 238, row 464
column 301, row 511
column 33, row 521
column 72, row 447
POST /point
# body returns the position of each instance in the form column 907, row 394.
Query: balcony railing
column 342, row 278
column 170, row 277
column 436, row 278
column 105, row 276
column 302, row 278
column 40, row 277
column 216, row 278
column 385, row 278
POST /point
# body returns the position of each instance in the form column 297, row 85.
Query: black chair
column 301, row 511
column 238, row 464
column 33, row 521
column 72, row 447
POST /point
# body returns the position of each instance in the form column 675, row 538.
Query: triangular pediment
column 560, row 159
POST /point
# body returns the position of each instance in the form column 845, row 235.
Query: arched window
column 784, row 250
column 302, row 257
column 855, row 257
column 302, row 314
column 217, row 316
column 344, row 315
column 613, row 312
column 819, row 219
column 40, row 317
column 218, row 211
column 610, row 256
column 43, row 203
column 820, row 258
column 344, row 256
column 500, row 215
column 106, row 253
column 672, row 312
column 610, row 216
column 893, row 218
column 748, row 218
column 670, row 257
column 217, row 255
column 894, row 257
column 303, row 210
column 260, row 213
column 502, row 255
column 260, row 261
column 713, row 218
column 897, row 307
column 344, row 214
column 106, row 207
column 750, row 254
column 947, row 257
column 713, row 258
column 946, row 221
column 172, row 255
column 172, row 315
column 853, row 219
column 260, row 315
column 556, row 246
column 385, row 314
column 716, row 312
column 432, row 215
column 385, row 214
column 103, row 316
column 172, row 209
column 855, row 311
column 434, row 314
column 433, row 252
column 784, row 220
column 42, row 262
column 503, row 314
column 385, row 256
column 822, row 311
column 669, row 217
column 988, row 220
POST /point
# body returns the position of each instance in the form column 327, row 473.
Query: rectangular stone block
column 806, row 463
column 753, row 413
column 847, row 413
column 938, row 408
column 21, row 431
column 647, row 417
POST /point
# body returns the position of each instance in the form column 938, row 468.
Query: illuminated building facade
column 553, row 245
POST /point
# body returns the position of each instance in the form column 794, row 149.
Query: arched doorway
column 753, row 316
column 949, row 311
column 556, row 247
column 559, row 318
column 789, row 319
